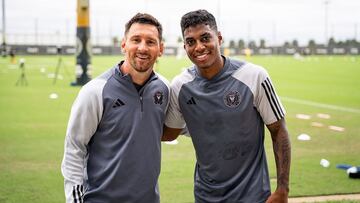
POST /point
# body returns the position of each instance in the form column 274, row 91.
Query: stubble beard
column 140, row 68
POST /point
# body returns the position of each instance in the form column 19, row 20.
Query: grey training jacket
column 113, row 140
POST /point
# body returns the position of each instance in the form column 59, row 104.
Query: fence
column 111, row 50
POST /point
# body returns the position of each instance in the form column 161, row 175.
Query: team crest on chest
column 232, row 99
column 158, row 97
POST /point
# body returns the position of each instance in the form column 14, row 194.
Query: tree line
column 252, row 44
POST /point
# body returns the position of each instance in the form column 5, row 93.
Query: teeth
column 201, row 56
column 142, row 56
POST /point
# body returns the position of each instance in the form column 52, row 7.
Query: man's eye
column 205, row 39
column 151, row 42
column 190, row 42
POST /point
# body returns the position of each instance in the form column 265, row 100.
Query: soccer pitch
column 321, row 95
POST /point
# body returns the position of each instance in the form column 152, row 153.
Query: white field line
column 320, row 105
column 325, row 198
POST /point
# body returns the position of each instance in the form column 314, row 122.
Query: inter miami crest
column 158, row 98
column 232, row 99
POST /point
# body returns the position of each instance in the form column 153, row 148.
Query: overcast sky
column 275, row 21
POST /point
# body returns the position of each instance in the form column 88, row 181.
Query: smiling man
column 224, row 103
column 113, row 140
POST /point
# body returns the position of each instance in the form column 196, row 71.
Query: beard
column 141, row 66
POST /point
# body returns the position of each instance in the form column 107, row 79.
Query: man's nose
column 199, row 46
column 143, row 46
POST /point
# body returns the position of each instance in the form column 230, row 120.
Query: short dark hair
column 144, row 18
column 198, row 17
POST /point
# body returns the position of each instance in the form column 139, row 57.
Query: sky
column 276, row 21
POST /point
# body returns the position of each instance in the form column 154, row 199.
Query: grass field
column 32, row 126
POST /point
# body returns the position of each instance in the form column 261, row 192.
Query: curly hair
column 198, row 17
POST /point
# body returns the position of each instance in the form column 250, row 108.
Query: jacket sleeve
column 85, row 116
column 174, row 117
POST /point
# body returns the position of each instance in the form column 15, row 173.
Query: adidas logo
column 118, row 103
column 191, row 101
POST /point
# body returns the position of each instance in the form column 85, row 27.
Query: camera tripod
column 58, row 66
column 22, row 78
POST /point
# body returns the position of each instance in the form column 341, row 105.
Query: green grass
column 32, row 126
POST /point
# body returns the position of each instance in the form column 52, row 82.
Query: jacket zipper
column 142, row 91
column 141, row 103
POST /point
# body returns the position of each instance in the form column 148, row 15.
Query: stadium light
column 36, row 29
column 3, row 30
column 274, row 33
column 326, row 4
column 355, row 31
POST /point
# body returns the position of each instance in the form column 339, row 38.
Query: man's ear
column 123, row 43
column 161, row 49
column 220, row 38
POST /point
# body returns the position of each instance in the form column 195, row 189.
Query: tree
column 340, row 44
column 241, row 44
column 179, row 40
column 262, row 43
column 115, row 41
column 351, row 43
column 311, row 43
column 232, row 44
column 295, row 44
column 312, row 46
column 286, row 44
column 331, row 42
column 252, row 44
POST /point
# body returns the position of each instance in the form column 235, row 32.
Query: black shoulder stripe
column 274, row 103
column 268, row 97
column 276, row 99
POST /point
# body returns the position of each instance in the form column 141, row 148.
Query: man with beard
column 113, row 140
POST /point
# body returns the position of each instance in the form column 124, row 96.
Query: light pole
column 248, row 32
column 355, row 31
column 326, row 3
column 274, row 33
column 3, row 51
column 36, row 31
